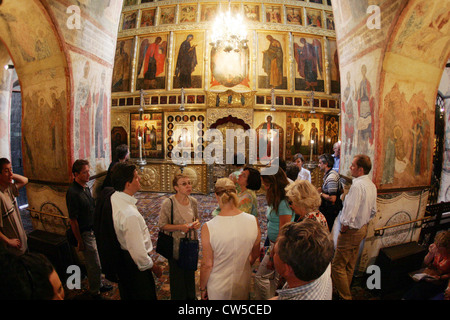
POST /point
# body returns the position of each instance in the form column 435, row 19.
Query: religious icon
column 129, row 20
column 149, row 132
column 308, row 55
column 271, row 61
column 148, row 18
column 122, row 66
column 188, row 13
column 167, row 15
column 188, row 60
column 294, row 15
column 151, row 71
column 251, row 12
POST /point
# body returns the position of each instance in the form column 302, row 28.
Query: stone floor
column 149, row 205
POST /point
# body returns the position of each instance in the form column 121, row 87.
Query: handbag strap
column 171, row 211
column 171, row 214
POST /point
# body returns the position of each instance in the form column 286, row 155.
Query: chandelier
column 229, row 32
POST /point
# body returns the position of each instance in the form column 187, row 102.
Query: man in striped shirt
column 330, row 191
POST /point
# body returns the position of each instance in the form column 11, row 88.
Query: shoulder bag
column 188, row 253
column 164, row 244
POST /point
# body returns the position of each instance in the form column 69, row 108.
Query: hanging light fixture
column 229, row 33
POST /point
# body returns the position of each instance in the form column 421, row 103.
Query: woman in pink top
column 437, row 263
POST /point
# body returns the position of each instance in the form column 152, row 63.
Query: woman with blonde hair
column 230, row 245
column 305, row 200
column 184, row 223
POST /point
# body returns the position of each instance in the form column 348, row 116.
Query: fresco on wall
column 188, row 60
column 91, row 112
column 348, row 108
column 122, row 65
column 359, row 104
column 272, row 56
column 423, row 32
column 350, row 13
column 48, row 108
column 150, row 130
column 308, row 54
column 301, row 130
column 151, row 67
column 407, row 140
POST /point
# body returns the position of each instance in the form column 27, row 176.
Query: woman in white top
column 230, row 245
column 185, row 222
column 304, row 174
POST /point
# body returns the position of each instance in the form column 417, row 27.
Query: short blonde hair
column 226, row 191
column 303, row 194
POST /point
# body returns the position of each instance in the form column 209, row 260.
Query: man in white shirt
column 359, row 207
column 135, row 276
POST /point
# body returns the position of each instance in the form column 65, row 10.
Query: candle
column 312, row 145
column 140, row 147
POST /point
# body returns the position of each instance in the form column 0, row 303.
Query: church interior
column 80, row 77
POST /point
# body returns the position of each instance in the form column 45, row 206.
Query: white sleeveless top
column 232, row 239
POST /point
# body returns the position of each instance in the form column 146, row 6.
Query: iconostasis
column 165, row 69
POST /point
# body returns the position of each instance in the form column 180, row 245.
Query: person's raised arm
column 19, row 180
